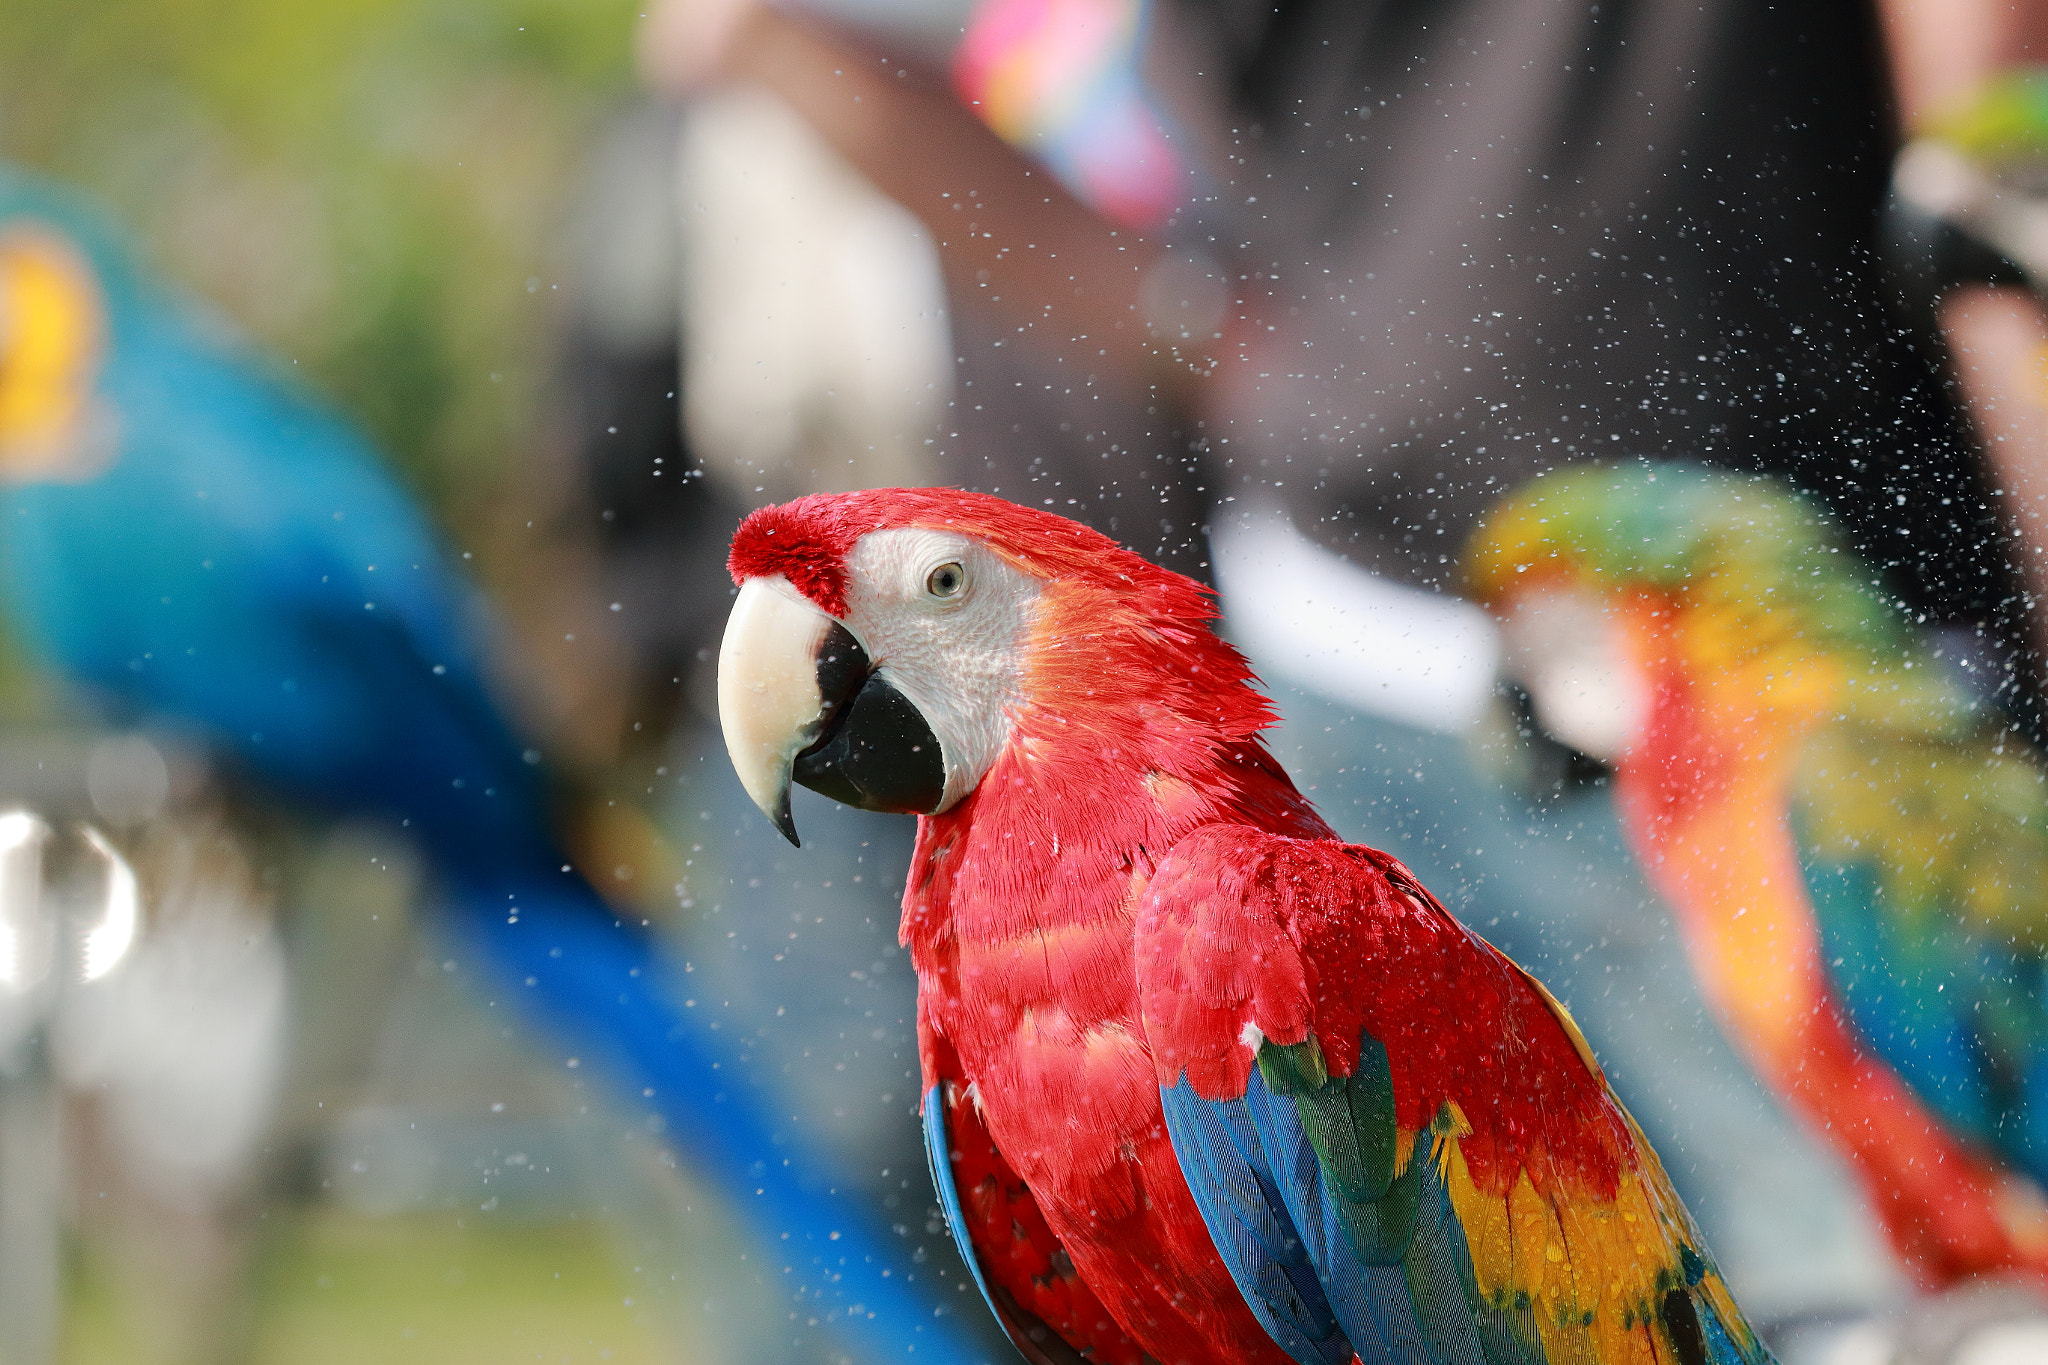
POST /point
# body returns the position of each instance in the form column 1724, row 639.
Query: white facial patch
column 1574, row 660
column 944, row 620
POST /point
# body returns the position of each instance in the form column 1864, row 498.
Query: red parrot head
column 888, row 646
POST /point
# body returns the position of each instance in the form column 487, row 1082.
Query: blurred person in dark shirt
column 1426, row 250
column 1429, row 249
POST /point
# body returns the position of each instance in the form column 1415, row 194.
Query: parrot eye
column 946, row 581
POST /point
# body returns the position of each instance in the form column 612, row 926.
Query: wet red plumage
column 1314, row 936
column 1023, row 1261
column 1137, row 728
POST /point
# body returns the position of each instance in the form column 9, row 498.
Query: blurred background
column 547, row 294
column 285, row 1126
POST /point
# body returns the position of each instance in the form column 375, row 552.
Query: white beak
column 770, row 703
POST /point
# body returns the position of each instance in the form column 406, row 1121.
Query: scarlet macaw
column 1202, row 1083
column 1846, row 827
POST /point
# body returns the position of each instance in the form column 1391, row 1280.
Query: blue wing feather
column 1357, row 1287
column 1222, row 1155
column 938, row 1152
column 1961, row 1019
column 1038, row 1344
column 1272, row 1210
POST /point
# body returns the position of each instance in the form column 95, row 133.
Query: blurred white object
column 90, row 914
column 110, row 933
column 1984, row 1322
column 1311, row 617
column 817, row 356
column 142, row 1041
column 52, row 901
column 24, row 929
column 31, row 1152
column 1574, row 660
column 1943, row 182
column 128, row 779
column 184, row 1045
column 2007, row 1343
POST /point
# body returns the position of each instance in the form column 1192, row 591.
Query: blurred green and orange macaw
column 1851, row 833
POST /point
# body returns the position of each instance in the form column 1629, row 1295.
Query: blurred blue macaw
column 197, row 542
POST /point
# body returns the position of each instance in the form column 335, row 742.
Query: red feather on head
column 808, row 540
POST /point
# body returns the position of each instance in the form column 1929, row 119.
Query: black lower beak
column 876, row 750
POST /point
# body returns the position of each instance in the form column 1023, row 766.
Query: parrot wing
column 1399, row 1141
column 1926, row 860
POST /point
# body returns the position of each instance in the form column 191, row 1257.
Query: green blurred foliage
column 371, row 188
column 423, row 1289
column 24, row 693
